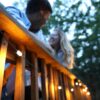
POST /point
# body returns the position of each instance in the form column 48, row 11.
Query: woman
column 64, row 52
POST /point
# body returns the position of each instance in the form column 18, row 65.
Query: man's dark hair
column 37, row 5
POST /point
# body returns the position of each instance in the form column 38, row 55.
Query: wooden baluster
column 61, row 83
column 3, row 53
column 68, row 93
column 34, row 78
column 56, row 84
column 64, row 87
column 80, row 93
column 44, row 80
column 77, row 94
column 69, row 87
column 51, row 83
column 60, row 94
column 19, row 79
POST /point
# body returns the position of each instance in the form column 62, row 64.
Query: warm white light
column 88, row 93
column 72, row 90
column 80, row 84
column 84, row 90
column 76, row 83
column 59, row 87
column 19, row 53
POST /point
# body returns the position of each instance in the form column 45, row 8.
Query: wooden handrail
column 19, row 35
column 52, row 72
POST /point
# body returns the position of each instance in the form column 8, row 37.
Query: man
column 36, row 15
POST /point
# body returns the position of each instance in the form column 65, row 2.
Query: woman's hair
column 67, row 49
column 37, row 5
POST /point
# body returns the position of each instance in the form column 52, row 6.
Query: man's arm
column 19, row 16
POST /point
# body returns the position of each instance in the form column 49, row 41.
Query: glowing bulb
column 84, row 90
column 59, row 87
column 80, row 84
column 72, row 90
column 88, row 93
column 19, row 53
column 76, row 83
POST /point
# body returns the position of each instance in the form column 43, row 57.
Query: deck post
column 19, row 78
column 64, row 86
column 56, row 84
column 44, row 79
column 34, row 78
column 51, row 83
column 67, row 93
column 3, row 53
column 62, row 97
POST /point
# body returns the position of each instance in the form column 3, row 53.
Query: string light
column 80, row 84
column 76, row 83
column 88, row 93
column 84, row 90
column 19, row 53
column 59, row 87
column 72, row 90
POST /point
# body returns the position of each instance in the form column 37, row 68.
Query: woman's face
column 54, row 39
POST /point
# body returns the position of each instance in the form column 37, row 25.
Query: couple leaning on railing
column 37, row 13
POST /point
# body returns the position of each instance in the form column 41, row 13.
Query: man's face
column 39, row 19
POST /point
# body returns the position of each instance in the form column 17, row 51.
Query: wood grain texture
column 19, row 35
column 51, row 83
column 3, row 52
column 44, row 79
column 56, row 84
column 34, row 78
column 20, row 79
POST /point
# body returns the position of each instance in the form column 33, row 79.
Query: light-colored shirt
column 19, row 16
column 60, row 58
column 22, row 18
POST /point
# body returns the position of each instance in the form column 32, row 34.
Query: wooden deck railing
column 57, row 81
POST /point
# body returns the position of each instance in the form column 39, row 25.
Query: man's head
column 38, row 12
